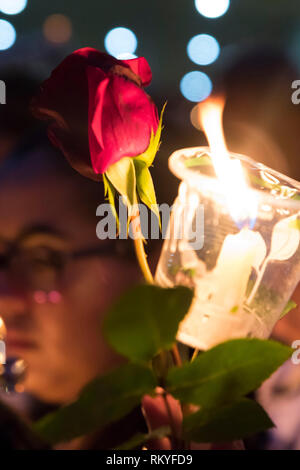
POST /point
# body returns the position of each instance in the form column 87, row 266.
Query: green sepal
column 109, row 193
column 145, row 187
column 131, row 175
column 121, row 176
column 148, row 156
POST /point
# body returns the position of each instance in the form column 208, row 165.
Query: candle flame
column 241, row 201
column 2, row 330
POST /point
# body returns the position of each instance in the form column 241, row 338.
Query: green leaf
column 226, row 372
column 139, row 438
column 145, row 320
column 148, row 156
column 145, row 187
column 107, row 399
column 109, row 192
column 289, row 306
column 235, row 421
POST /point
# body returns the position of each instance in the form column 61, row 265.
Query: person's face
column 56, row 326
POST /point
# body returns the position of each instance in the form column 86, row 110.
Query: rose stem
column 143, row 263
column 195, row 354
column 142, row 260
column 176, row 356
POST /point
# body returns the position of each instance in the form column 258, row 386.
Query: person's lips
column 18, row 342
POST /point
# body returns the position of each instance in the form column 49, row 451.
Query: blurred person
column 45, row 229
column 41, row 197
column 262, row 122
column 57, row 279
column 260, row 119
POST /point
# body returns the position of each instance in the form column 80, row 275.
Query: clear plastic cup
column 243, row 276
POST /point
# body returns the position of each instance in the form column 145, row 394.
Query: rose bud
column 97, row 109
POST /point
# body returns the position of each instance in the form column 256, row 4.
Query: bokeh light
column 196, row 86
column 120, row 41
column 40, row 297
column 57, row 28
column 203, row 49
column 126, row 56
column 194, row 117
column 54, row 297
column 12, row 7
column 7, row 35
column 212, row 8
column 18, row 367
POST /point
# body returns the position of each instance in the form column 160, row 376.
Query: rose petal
column 124, row 117
column 141, row 68
column 96, row 115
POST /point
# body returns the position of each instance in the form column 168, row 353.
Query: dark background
column 261, row 28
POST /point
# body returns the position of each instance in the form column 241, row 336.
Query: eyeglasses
column 40, row 268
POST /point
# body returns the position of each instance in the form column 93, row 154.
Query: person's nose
column 13, row 301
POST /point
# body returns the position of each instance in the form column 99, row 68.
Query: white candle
column 233, row 268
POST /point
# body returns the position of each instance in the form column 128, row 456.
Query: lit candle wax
column 233, row 268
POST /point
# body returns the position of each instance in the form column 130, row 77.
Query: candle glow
column 238, row 252
column 242, row 203
column 242, row 279
column 2, row 329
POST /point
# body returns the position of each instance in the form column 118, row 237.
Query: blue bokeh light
column 12, row 7
column 126, row 56
column 7, row 35
column 196, row 86
column 120, row 41
column 212, row 8
column 203, row 49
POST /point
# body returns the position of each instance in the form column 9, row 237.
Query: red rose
column 97, row 109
